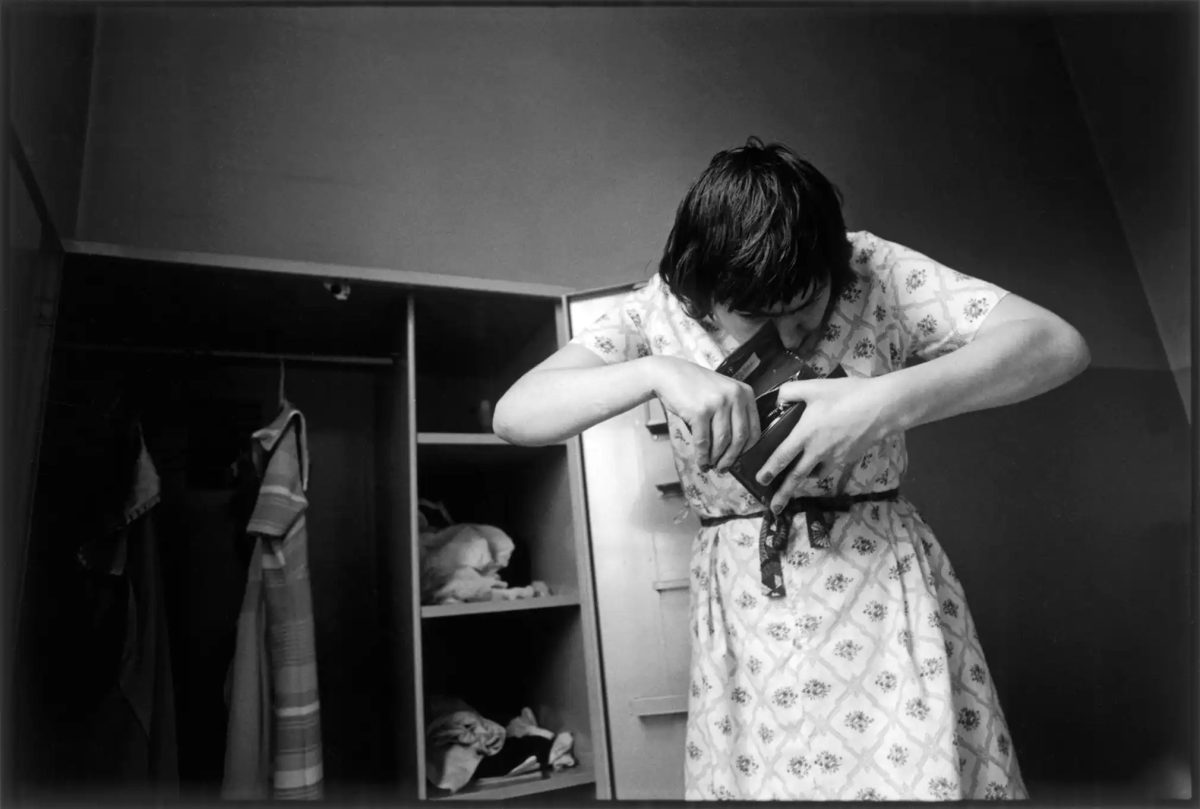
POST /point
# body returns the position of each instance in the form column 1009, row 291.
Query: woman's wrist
column 900, row 395
column 649, row 373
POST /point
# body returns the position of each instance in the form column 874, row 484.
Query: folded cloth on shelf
column 462, row 563
column 516, row 756
column 457, row 739
column 560, row 745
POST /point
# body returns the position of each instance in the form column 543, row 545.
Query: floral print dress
column 867, row 680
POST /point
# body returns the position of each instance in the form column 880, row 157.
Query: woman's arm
column 574, row 389
column 1020, row 351
column 570, row 391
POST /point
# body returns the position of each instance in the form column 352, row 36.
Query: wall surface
column 49, row 56
column 552, row 145
column 1136, row 81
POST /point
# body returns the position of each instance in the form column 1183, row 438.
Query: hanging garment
column 143, row 751
column 273, row 745
column 101, row 690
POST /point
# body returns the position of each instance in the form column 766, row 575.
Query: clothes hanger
column 283, row 400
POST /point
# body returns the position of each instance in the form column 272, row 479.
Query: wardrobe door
column 641, row 533
column 33, row 264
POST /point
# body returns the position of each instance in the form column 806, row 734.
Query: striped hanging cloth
column 273, row 745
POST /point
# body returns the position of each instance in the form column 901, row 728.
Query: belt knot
column 773, row 537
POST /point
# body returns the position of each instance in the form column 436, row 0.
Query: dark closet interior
column 396, row 384
column 190, row 354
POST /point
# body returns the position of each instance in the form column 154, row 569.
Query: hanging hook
column 283, row 402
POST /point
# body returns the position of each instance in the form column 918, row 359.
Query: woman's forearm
column 1016, row 360
column 551, row 404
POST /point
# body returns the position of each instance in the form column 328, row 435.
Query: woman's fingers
column 793, row 478
column 789, row 448
column 743, row 427
column 806, row 462
column 722, row 436
column 810, row 460
column 750, row 414
column 800, row 390
column 720, row 412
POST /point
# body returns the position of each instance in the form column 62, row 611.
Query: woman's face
column 797, row 321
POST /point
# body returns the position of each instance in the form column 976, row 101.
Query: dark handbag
column 764, row 364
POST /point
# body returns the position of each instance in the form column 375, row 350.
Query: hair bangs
column 757, row 229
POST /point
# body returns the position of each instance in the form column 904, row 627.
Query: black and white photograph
column 578, row 403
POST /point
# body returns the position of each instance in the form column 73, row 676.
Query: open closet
column 395, row 375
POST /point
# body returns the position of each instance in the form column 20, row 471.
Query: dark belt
column 819, row 512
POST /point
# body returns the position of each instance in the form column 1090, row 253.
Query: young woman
column 833, row 654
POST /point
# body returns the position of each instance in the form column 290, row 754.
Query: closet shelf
column 462, row 439
column 516, row 786
column 490, row 607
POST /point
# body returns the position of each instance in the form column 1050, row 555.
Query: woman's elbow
column 506, row 423
column 1073, row 350
column 515, row 423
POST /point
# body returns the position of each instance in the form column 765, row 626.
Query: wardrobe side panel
column 601, row 752
column 393, row 455
column 412, row 743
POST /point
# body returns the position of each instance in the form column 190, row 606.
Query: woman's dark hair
column 758, row 227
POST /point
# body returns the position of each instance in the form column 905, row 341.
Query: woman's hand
column 719, row 411
column 842, row 418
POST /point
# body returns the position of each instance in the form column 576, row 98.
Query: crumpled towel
column 455, row 744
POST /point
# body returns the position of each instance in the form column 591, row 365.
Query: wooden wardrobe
column 396, row 374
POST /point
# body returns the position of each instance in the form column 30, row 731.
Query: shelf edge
column 494, row 607
column 561, row 780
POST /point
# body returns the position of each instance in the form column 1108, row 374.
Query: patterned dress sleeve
column 937, row 309
column 619, row 334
